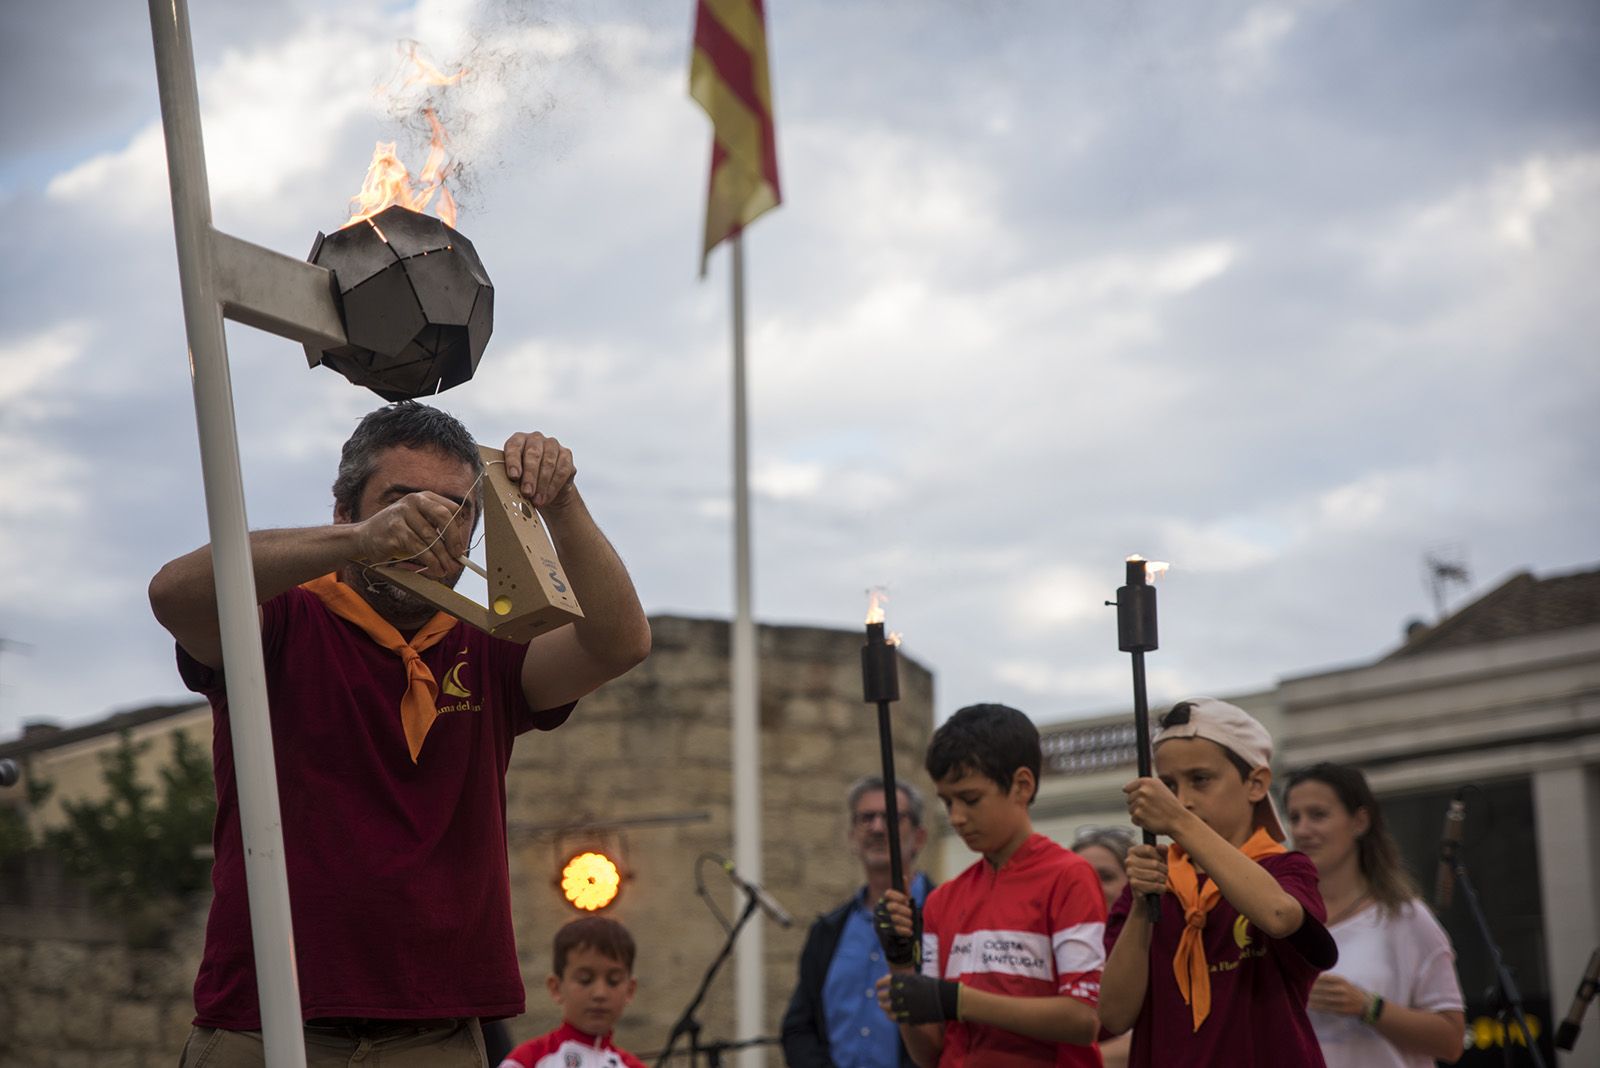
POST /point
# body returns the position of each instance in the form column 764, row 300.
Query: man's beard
column 401, row 608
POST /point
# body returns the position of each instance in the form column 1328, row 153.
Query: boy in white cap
column 1223, row 977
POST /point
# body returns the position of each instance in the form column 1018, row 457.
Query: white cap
column 1235, row 730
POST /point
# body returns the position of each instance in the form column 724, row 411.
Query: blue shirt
column 859, row 1034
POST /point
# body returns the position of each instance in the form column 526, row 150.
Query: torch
column 880, row 682
column 1136, row 634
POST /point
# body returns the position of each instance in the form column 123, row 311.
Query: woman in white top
column 1393, row 1000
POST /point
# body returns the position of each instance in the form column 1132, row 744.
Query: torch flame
column 876, row 598
column 1153, row 569
column 388, row 182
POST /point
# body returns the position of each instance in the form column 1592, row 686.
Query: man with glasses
column 833, row 1020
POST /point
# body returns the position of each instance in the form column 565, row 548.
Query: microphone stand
column 1510, row 997
column 687, row 1024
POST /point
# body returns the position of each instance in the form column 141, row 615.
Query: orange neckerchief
column 418, row 709
column 1189, row 963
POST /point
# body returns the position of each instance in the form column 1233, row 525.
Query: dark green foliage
column 16, row 836
column 136, row 846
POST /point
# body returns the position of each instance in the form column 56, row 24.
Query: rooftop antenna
column 1443, row 566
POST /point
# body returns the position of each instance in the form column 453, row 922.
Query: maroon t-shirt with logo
column 1258, row 984
column 397, row 871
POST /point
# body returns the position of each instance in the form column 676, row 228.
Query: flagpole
column 749, row 969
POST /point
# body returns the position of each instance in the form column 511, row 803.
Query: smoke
column 495, row 76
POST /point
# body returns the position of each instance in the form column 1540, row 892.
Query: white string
column 472, row 493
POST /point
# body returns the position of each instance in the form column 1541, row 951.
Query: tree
column 16, row 836
column 135, row 849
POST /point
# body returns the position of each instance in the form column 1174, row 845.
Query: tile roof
column 1521, row 606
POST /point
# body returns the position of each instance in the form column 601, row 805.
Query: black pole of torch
column 880, row 682
column 1136, row 634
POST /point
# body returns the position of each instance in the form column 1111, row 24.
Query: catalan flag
column 728, row 76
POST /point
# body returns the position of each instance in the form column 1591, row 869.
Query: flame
column 1153, row 569
column 389, row 182
column 876, row 599
column 425, row 73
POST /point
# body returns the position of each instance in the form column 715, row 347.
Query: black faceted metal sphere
column 418, row 306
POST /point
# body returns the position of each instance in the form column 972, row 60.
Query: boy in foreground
column 1011, row 949
column 1223, row 977
column 592, row 980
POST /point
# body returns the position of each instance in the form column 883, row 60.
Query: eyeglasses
column 867, row 819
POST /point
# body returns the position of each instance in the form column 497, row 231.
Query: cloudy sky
column 1290, row 294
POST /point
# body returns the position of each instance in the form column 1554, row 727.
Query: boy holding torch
column 1224, row 976
column 1011, row 949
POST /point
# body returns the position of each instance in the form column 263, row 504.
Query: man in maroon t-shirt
column 392, row 730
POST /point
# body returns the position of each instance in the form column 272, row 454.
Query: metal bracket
column 276, row 293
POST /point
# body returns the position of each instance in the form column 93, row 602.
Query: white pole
column 749, row 968
column 260, row 822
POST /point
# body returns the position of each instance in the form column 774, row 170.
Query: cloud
column 270, row 117
column 1057, row 594
column 1513, row 213
column 1247, row 52
column 43, row 488
column 34, row 369
column 1052, row 283
column 1044, row 679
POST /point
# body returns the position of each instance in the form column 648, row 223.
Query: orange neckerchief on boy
column 418, row 707
column 1189, row 963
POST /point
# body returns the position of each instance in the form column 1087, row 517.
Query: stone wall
column 77, row 990
column 644, row 764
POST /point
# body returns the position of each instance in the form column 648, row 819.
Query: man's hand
column 1147, row 871
column 422, row 529
column 1154, row 807
column 899, row 925
column 1337, row 996
column 541, row 467
column 911, row 998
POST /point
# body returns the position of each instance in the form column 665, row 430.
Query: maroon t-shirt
column 397, row 871
column 1258, row 984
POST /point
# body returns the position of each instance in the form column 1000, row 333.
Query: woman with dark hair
column 1393, row 1000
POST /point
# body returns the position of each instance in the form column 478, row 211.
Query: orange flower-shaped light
column 590, row 881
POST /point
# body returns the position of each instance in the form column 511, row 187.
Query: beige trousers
column 386, row 1045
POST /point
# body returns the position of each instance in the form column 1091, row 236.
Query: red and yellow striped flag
column 728, row 76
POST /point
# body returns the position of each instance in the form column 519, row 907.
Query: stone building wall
column 650, row 750
column 76, row 991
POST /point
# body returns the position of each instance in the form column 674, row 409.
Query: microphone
column 775, row 912
column 1567, row 1033
column 1444, row 885
column 9, row 773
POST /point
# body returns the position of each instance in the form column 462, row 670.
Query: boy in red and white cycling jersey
column 592, row 980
